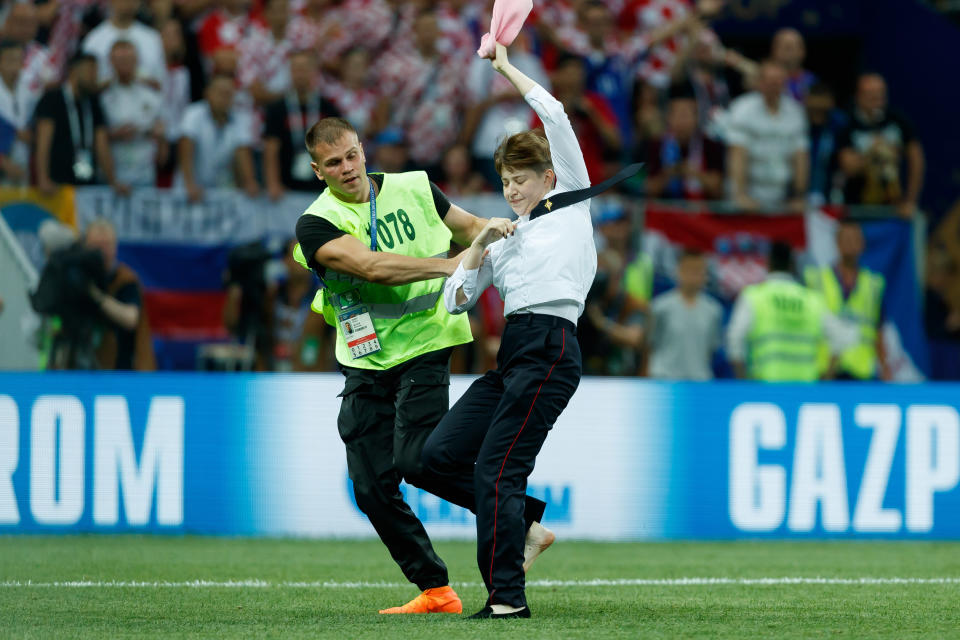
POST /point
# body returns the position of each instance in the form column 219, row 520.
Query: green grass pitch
column 82, row 587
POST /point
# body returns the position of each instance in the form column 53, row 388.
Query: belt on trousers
column 542, row 320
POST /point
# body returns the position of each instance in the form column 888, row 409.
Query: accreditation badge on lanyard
column 353, row 317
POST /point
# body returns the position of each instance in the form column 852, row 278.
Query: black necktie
column 567, row 198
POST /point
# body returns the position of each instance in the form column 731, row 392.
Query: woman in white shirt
column 543, row 267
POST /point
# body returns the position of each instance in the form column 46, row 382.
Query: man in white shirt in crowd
column 768, row 162
column 122, row 25
column 215, row 147
column 16, row 106
column 135, row 126
column 685, row 331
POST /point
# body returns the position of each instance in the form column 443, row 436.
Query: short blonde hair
column 525, row 150
column 328, row 131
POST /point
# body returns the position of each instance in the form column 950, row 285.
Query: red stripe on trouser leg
column 496, row 486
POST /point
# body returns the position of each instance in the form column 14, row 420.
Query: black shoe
column 487, row 612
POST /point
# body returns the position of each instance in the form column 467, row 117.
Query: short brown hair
column 327, row 131
column 524, row 150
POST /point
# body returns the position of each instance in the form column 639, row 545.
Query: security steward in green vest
column 778, row 326
column 379, row 244
column 855, row 294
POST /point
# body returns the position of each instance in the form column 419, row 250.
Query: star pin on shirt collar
column 561, row 200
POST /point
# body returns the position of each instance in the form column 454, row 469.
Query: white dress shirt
column 139, row 105
column 771, row 141
column 16, row 107
column 213, row 145
column 548, row 264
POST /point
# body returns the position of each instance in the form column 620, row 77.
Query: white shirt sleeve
column 737, row 330
column 473, row 282
column 568, row 160
column 190, row 123
column 738, row 116
column 840, row 335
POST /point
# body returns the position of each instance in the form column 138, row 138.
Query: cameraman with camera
column 102, row 323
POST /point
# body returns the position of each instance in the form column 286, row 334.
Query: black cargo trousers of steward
column 385, row 418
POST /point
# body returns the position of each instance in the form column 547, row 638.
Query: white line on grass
column 599, row 582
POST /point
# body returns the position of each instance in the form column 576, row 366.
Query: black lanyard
column 567, row 198
column 295, row 118
column 81, row 139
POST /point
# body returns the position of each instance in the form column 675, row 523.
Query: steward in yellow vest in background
column 379, row 244
column 855, row 294
column 778, row 326
column 786, row 332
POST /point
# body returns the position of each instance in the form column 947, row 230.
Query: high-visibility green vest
column 861, row 308
column 410, row 319
column 786, row 331
column 638, row 278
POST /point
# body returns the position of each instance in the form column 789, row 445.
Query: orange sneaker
column 438, row 600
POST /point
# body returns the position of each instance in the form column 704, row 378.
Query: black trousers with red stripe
column 486, row 446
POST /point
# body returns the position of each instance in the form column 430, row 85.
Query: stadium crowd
column 196, row 94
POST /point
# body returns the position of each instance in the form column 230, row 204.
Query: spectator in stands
column 826, row 124
column 353, row 92
column 611, row 56
column 125, row 341
column 609, row 59
column 264, row 67
column 854, row 293
column 333, row 27
column 38, row 72
column 425, row 90
column 592, row 118
column 767, row 161
column 133, row 112
column 225, row 27
column 215, row 144
column 777, row 327
column 673, row 16
column 390, row 152
column 789, row 50
column 496, row 109
column 71, row 133
column 941, row 307
column 685, row 325
column 299, row 336
column 276, row 318
column 176, row 90
column 684, row 163
column 15, row 113
column 873, row 148
column 458, row 177
column 286, row 162
column 122, row 25
column 649, row 120
column 613, row 330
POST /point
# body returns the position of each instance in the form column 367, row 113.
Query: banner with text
column 249, row 454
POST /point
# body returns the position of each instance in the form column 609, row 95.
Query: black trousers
column 487, row 444
column 385, row 419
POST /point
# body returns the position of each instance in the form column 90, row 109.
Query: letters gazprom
column 56, row 463
column 772, row 484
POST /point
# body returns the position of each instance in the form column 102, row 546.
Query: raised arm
column 568, row 161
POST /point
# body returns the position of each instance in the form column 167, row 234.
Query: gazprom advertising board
column 244, row 454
